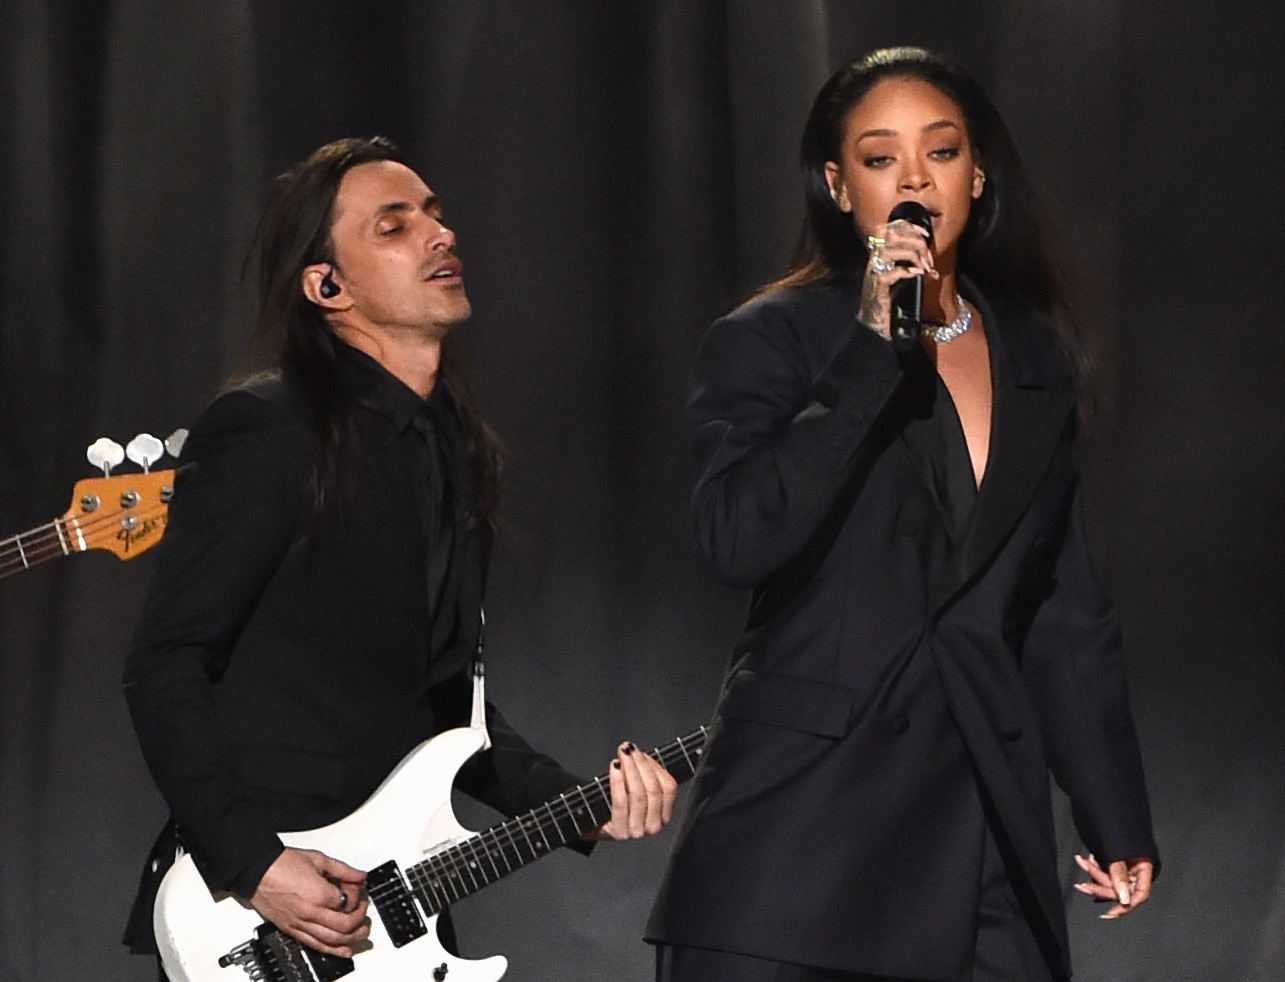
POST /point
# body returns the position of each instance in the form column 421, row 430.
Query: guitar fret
column 569, row 820
column 513, row 842
column 62, row 539
column 548, row 806
column 493, row 845
column 530, row 844
column 486, row 851
column 574, row 821
column 602, row 788
column 539, row 827
column 455, row 869
column 452, row 876
column 23, row 551
column 452, row 884
column 686, row 756
column 499, row 844
column 441, row 877
column 588, row 807
column 433, row 902
column 473, row 868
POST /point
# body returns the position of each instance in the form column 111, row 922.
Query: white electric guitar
column 419, row 860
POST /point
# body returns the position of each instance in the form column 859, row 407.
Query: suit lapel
column 1031, row 409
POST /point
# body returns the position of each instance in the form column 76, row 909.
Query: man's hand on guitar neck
column 314, row 899
column 642, row 796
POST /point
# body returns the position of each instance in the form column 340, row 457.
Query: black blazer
column 890, row 679
column 280, row 670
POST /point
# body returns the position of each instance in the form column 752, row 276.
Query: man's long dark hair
column 291, row 332
column 1005, row 247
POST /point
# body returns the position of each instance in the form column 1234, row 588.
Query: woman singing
column 927, row 638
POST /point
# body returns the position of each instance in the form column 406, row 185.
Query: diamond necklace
column 943, row 333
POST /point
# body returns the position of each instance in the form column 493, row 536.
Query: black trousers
column 1006, row 948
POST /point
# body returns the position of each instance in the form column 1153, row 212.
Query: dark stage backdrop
column 619, row 173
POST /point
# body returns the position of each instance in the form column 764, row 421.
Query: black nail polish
column 630, row 748
column 616, row 764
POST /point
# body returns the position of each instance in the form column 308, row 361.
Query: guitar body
column 418, row 860
column 407, row 819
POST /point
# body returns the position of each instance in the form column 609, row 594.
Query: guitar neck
column 36, row 546
column 464, row 868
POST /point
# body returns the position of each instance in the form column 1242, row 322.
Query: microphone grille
column 913, row 212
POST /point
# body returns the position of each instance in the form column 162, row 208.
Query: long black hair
column 291, row 332
column 1005, row 248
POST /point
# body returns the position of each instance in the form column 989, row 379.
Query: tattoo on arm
column 874, row 315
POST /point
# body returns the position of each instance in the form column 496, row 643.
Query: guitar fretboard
column 29, row 548
column 464, row 868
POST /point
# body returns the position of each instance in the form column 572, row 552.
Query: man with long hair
column 317, row 597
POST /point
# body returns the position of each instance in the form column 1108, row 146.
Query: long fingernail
column 1122, row 892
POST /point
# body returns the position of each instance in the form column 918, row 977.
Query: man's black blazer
column 280, row 668
column 891, row 683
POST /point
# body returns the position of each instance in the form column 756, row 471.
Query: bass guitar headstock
column 125, row 514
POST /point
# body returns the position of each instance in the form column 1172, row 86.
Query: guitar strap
column 478, row 719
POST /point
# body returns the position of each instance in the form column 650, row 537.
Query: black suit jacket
column 281, row 667
column 892, row 683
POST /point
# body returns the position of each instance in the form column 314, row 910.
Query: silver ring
column 343, row 901
column 873, row 242
column 879, row 266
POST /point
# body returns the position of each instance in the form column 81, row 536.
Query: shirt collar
column 376, row 388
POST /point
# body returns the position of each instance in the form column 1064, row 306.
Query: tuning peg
column 174, row 442
column 105, row 454
column 145, row 450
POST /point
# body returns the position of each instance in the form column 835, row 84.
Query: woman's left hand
column 642, row 796
column 1126, row 881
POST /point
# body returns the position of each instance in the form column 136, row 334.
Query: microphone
column 908, row 295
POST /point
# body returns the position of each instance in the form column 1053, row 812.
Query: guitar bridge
column 276, row 957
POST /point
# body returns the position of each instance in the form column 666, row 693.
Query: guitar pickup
column 395, row 903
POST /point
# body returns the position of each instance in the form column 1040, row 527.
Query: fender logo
column 142, row 531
